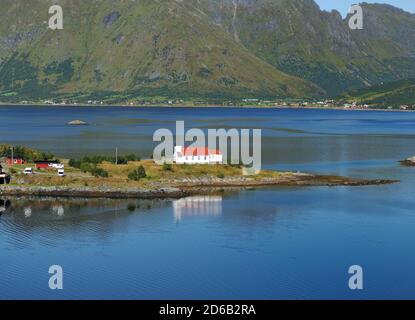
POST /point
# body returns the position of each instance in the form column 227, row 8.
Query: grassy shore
column 159, row 181
column 118, row 175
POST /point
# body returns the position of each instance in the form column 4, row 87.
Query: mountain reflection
column 197, row 206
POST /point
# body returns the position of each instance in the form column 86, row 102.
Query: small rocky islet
column 410, row 162
column 77, row 123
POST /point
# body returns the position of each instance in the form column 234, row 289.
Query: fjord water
column 273, row 243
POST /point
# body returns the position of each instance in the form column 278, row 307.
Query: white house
column 197, row 156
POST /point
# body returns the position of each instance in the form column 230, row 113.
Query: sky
column 343, row 5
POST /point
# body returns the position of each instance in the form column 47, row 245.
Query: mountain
column 298, row 38
column 390, row 94
column 199, row 48
column 146, row 47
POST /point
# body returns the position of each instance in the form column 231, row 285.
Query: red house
column 44, row 164
column 15, row 161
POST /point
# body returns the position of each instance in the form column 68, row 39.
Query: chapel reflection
column 197, row 206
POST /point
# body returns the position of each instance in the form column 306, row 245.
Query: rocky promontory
column 178, row 188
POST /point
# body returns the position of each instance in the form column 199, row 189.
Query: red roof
column 200, row 152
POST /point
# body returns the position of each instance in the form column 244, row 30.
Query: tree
column 137, row 174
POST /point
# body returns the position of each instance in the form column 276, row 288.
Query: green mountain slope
column 199, row 48
column 145, row 47
column 391, row 94
column 298, row 38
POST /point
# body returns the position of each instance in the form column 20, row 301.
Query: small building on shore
column 15, row 161
column 184, row 155
column 47, row 164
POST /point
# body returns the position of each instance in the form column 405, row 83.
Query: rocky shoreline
column 86, row 192
column 183, row 188
column 288, row 179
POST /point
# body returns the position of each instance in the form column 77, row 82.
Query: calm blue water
column 294, row 243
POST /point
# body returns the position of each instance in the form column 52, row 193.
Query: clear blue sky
column 344, row 5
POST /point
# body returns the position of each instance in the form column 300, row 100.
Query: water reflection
column 4, row 205
column 71, row 211
column 197, row 206
column 27, row 212
column 58, row 209
column 78, row 223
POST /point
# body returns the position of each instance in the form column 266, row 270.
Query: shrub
column 100, row 159
column 99, row 172
column 167, row 167
column 75, row 163
column 221, row 176
column 120, row 160
column 132, row 157
column 24, row 153
column 86, row 167
column 137, row 174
